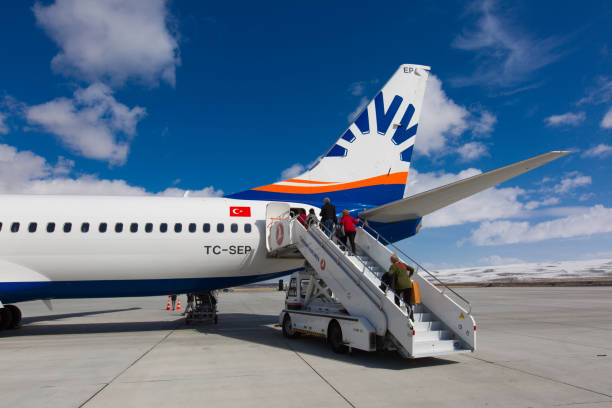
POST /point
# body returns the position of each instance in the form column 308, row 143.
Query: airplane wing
column 421, row 204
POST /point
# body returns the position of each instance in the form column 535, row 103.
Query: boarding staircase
column 441, row 324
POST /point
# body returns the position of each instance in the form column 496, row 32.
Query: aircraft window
column 192, row 227
column 0, row 226
column 134, row 227
column 119, row 227
column 178, row 227
column 220, row 227
column 85, row 227
column 206, row 227
column 234, row 227
column 51, row 227
column 247, row 228
column 32, row 227
column 102, row 227
column 148, row 227
column 67, row 227
column 15, row 227
column 163, row 227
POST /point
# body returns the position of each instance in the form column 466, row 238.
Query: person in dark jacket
column 328, row 216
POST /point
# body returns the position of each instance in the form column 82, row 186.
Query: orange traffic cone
column 168, row 306
column 178, row 306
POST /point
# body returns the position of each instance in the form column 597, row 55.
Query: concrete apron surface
column 537, row 347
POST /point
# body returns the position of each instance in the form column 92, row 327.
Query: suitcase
column 415, row 294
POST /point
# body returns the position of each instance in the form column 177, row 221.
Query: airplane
column 59, row 247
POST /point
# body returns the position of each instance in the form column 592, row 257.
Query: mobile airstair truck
column 338, row 296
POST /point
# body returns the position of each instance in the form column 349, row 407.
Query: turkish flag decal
column 240, row 211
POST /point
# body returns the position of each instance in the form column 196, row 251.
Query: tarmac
column 537, row 347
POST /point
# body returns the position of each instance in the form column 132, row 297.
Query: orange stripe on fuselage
column 310, row 182
column 394, row 178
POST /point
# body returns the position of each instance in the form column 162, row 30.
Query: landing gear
column 204, row 310
column 10, row 317
column 334, row 337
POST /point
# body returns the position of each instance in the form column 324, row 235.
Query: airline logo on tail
column 402, row 131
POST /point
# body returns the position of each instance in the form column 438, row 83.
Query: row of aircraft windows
column 133, row 227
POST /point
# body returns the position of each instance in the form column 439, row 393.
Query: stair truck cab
column 311, row 309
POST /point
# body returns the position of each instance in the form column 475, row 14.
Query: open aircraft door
column 278, row 234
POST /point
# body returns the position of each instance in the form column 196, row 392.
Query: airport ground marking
column 319, row 374
column 540, row 376
column 133, row 363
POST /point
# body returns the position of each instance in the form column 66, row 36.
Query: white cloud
column 292, row 172
column 601, row 93
column 505, row 55
column 484, row 125
column 572, row 181
column 179, row 192
column 490, row 204
column 599, row 151
column 3, row 127
column 566, row 119
column 606, row 122
column 593, row 220
column 357, row 88
column 23, row 172
column 472, row 150
column 92, row 124
column 532, row 205
column 111, row 40
column 586, row 196
column 363, row 102
column 443, row 121
column 496, row 260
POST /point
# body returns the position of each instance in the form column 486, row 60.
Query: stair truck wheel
column 6, row 317
column 15, row 315
column 288, row 328
column 334, row 337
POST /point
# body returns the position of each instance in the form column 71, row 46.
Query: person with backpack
column 400, row 274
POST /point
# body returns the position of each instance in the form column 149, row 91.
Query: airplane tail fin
column 369, row 163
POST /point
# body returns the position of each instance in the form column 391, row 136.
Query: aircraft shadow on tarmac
column 44, row 318
column 260, row 329
column 253, row 328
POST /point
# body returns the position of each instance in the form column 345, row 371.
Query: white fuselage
column 193, row 253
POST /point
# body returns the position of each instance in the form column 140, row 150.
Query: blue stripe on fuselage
column 371, row 196
column 12, row 292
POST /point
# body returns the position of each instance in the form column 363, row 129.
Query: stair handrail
column 386, row 242
column 322, row 228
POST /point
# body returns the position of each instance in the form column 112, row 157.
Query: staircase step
column 423, row 348
column 432, row 335
column 424, row 317
column 433, row 325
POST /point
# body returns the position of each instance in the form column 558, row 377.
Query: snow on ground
column 543, row 271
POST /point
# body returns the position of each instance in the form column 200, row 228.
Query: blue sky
column 155, row 97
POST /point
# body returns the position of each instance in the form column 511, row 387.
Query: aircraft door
column 276, row 233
